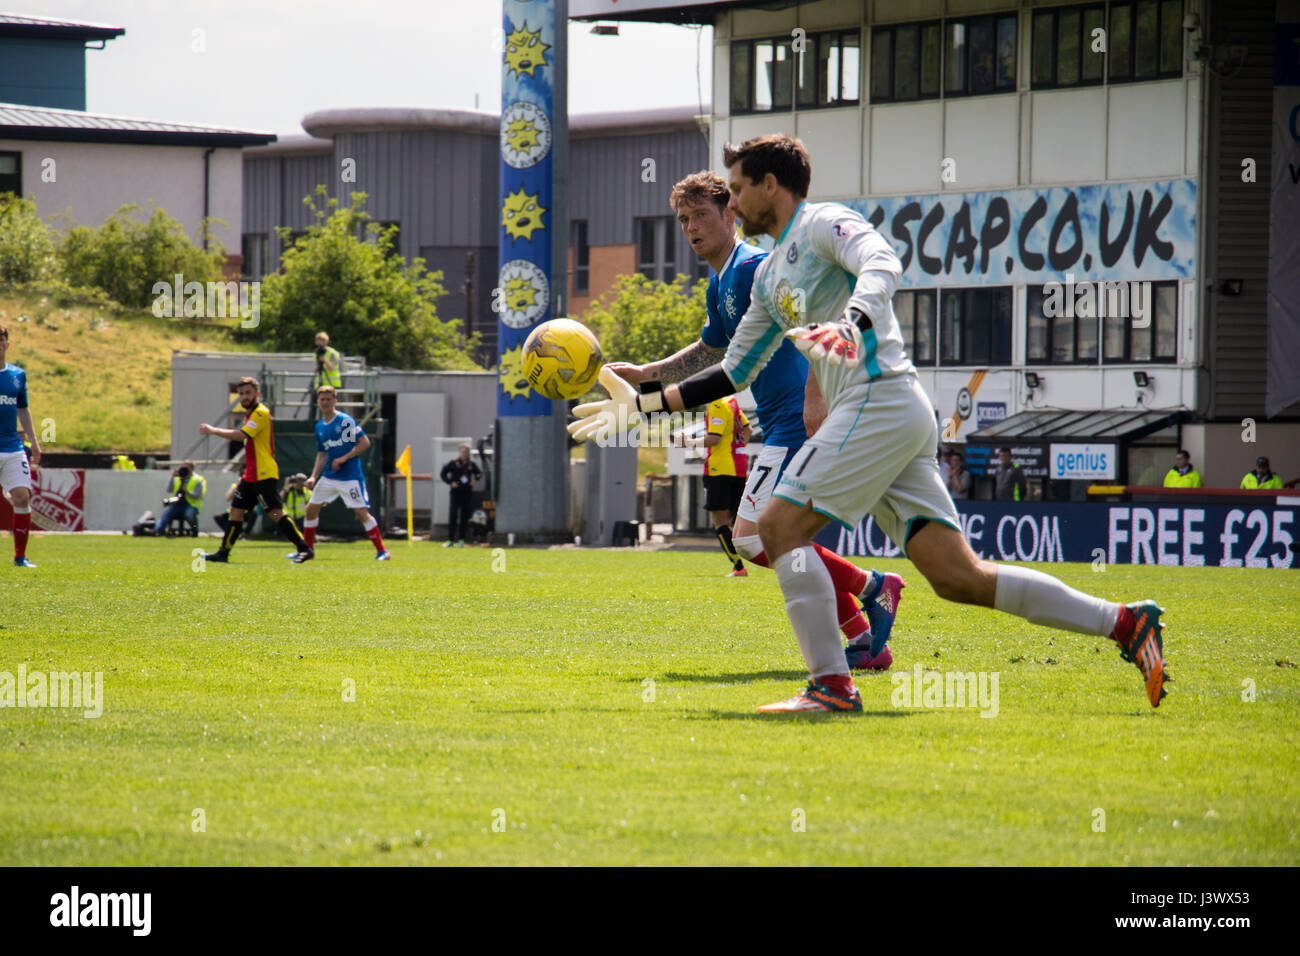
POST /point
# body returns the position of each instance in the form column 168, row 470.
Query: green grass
column 522, row 691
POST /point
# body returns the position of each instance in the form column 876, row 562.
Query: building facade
column 1064, row 185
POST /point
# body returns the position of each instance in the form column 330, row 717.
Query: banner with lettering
column 1133, row 231
column 1229, row 536
column 58, row 501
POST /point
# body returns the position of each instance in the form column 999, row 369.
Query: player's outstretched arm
column 696, row 357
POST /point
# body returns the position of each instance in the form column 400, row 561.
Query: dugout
column 1062, row 452
column 295, row 450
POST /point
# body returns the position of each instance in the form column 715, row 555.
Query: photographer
column 295, row 494
column 185, row 493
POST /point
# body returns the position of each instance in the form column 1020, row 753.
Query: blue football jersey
column 13, row 396
column 335, row 438
column 778, row 390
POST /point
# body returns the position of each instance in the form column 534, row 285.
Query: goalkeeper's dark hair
column 704, row 186
column 783, row 156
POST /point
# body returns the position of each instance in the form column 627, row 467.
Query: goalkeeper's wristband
column 858, row 318
column 651, row 398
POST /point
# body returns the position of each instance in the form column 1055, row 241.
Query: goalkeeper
column 875, row 451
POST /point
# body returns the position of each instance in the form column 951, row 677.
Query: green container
column 295, row 450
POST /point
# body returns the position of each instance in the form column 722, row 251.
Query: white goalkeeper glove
column 601, row 420
column 838, row 343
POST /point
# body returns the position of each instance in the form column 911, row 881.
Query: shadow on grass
column 816, row 717
column 727, row 678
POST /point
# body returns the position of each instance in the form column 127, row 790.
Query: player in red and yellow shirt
column 725, row 470
column 260, row 473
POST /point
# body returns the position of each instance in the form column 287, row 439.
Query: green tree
column 27, row 246
column 642, row 320
column 127, row 255
column 344, row 277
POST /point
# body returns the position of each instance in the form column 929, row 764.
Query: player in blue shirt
column 15, row 473
column 340, row 443
column 790, row 407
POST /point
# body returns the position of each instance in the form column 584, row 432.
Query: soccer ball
column 561, row 358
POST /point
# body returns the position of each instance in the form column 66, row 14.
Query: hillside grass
column 101, row 377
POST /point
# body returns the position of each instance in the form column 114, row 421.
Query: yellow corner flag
column 404, row 467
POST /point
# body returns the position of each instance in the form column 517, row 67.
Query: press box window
column 975, row 326
column 915, row 311
column 772, row 74
column 914, row 61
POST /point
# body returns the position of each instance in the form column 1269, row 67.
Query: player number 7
column 763, row 471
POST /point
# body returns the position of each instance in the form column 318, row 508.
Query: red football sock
column 842, row 684
column 1125, row 625
column 309, row 534
column 375, row 537
column 845, row 575
column 760, row 559
column 22, row 527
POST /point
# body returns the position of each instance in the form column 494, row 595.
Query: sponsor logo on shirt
column 840, row 231
column 793, row 254
column 8, row 400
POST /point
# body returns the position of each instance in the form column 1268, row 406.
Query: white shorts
column 14, row 472
column 352, row 492
column 764, row 473
column 874, row 454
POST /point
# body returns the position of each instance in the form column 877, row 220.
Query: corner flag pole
column 404, row 466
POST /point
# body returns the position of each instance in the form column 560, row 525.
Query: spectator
column 184, row 500
column 459, row 474
column 945, row 464
column 1009, row 480
column 328, row 364
column 958, row 477
column 294, row 495
column 1183, row 475
column 1262, row 476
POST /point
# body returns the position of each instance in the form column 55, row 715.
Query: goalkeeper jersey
column 827, row 259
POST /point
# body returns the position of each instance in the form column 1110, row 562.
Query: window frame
column 1159, row 74
column 966, row 297
column 664, row 265
column 992, row 20
column 746, row 104
column 909, row 329
column 1054, row 14
column 581, row 252
column 17, row 174
column 1034, row 293
column 264, row 265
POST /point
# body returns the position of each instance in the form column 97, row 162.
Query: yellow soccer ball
column 561, row 359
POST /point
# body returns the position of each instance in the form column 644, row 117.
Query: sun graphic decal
column 525, row 51
column 511, row 373
column 789, row 302
column 523, row 291
column 522, row 215
column 525, row 135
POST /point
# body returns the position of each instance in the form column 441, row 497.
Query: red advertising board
column 58, row 501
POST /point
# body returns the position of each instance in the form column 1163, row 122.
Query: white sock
column 371, row 523
column 810, row 603
column 749, row 547
column 1042, row 599
column 310, row 522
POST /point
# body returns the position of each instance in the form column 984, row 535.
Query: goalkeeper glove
column 600, row 420
column 839, row 342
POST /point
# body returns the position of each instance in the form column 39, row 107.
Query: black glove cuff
column 652, row 397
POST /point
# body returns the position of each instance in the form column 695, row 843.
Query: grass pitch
column 507, row 716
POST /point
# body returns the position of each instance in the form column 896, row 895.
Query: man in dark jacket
column 1009, row 480
column 460, row 474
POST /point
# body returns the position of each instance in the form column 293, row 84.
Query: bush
column 643, row 320
column 126, row 255
column 27, row 245
column 369, row 300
